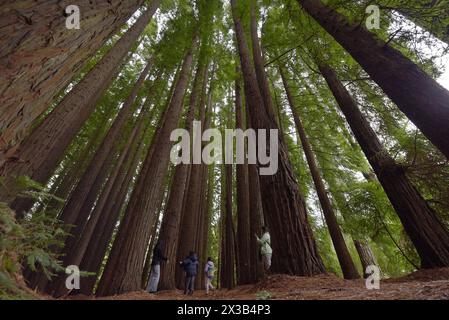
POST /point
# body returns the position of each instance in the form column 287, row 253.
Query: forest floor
column 423, row 284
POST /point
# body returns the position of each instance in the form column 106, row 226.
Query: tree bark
column 40, row 153
column 73, row 213
column 365, row 254
column 170, row 227
column 40, row 55
column 294, row 248
column 420, row 222
column 259, row 64
column 344, row 257
column 123, row 271
column 243, row 204
column 227, row 276
column 191, row 212
column 103, row 232
column 420, row 97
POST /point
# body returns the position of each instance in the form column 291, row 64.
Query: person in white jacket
column 265, row 248
column 209, row 274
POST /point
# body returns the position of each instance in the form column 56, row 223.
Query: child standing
column 209, row 274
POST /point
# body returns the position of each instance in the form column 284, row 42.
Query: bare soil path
column 424, row 284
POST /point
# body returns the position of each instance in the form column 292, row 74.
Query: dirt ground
column 423, row 284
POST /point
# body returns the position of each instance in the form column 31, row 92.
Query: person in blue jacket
column 190, row 267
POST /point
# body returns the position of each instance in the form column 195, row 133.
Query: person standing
column 190, row 267
column 265, row 248
column 155, row 274
column 209, row 274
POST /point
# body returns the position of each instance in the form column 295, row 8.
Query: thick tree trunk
column 40, row 153
column 123, row 271
column 257, row 219
column 39, row 55
column 344, row 257
column 170, row 228
column 420, row 97
column 244, row 267
column 420, row 222
column 294, row 248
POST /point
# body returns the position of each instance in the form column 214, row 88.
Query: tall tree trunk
column 420, row 97
column 200, row 240
column 227, row 276
column 344, row 257
column 244, row 235
column 257, row 219
column 147, row 266
column 123, row 271
column 294, row 248
column 102, row 234
column 170, row 227
column 40, row 153
column 420, row 222
column 40, row 55
column 207, row 213
column 259, row 64
column 73, row 213
column 75, row 250
column 191, row 212
column 222, row 247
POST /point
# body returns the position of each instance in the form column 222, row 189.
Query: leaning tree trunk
column 40, row 152
column 420, row 97
column 73, row 212
column 170, row 227
column 294, row 248
column 75, row 250
column 365, row 254
column 102, row 234
column 344, row 257
column 420, row 222
column 39, row 55
column 123, row 271
column 243, row 204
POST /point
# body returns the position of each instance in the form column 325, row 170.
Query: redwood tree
column 40, row 153
column 40, row 55
column 420, row 222
column 344, row 257
column 244, row 235
column 418, row 95
column 294, row 248
column 123, row 271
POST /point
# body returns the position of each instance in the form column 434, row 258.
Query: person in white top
column 209, row 274
column 265, row 248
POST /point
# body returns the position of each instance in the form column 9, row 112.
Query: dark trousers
column 189, row 285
